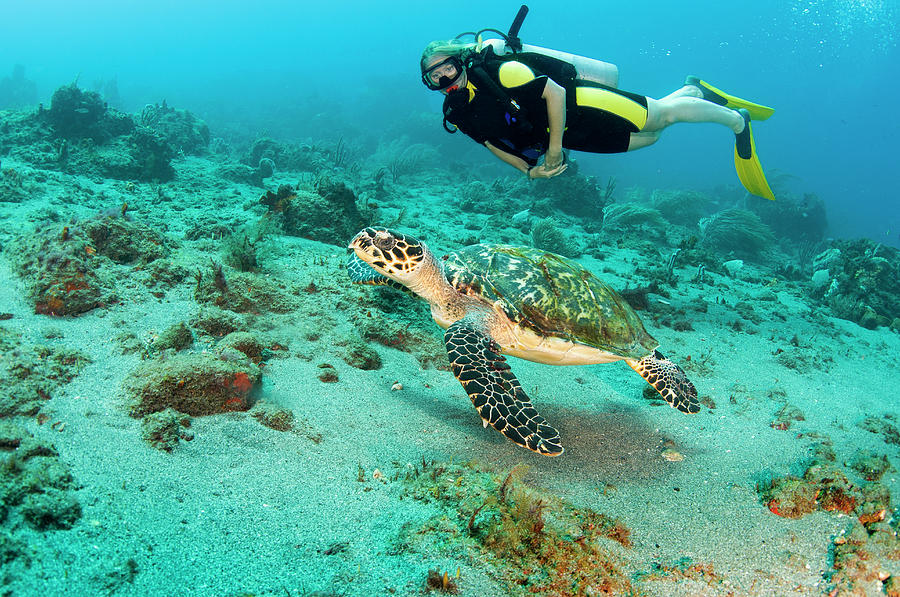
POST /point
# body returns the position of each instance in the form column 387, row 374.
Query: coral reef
column 247, row 175
column 273, row 417
column 546, row 235
column 575, row 194
column 14, row 187
column 498, row 197
column 81, row 134
column 871, row 466
column 70, row 269
column 538, row 542
column 401, row 157
column 124, row 241
column 801, row 220
column 58, row 265
column 244, row 246
column 824, row 486
column 737, row 232
column 193, row 384
column 329, row 215
column 216, row 322
column 866, row 558
column 683, row 569
column 633, row 217
column 31, row 374
column 283, row 419
column 865, row 282
column 684, row 208
column 886, row 427
column 250, row 345
column 181, row 130
column 442, row 583
column 360, row 355
column 148, row 159
column 327, row 373
column 418, row 338
column 785, row 416
column 288, row 156
column 241, row 292
column 76, row 114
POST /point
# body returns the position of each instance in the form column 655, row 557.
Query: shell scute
column 550, row 295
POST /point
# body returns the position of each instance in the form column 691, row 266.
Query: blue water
column 333, row 69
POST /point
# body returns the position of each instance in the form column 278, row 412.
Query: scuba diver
column 523, row 102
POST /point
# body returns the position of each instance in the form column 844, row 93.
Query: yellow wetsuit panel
column 513, row 74
column 610, row 101
column 471, row 89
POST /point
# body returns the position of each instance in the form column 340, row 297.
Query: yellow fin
column 751, row 173
column 757, row 111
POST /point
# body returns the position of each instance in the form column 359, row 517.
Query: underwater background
column 195, row 400
column 826, row 66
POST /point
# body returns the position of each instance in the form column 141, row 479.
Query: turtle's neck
column 432, row 285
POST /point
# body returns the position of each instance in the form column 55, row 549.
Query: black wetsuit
column 599, row 119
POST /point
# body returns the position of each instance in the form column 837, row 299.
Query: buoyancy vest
column 494, row 115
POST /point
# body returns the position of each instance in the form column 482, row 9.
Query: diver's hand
column 554, row 158
column 544, row 171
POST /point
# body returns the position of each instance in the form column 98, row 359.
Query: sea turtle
column 523, row 302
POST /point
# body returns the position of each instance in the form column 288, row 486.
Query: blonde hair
column 447, row 47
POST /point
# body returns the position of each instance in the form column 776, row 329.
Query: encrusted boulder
column 195, row 384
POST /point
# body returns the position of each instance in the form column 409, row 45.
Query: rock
column 733, row 266
column 245, row 343
column 273, row 417
column 193, row 384
column 163, row 429
column 176, row 337
column 820, row 279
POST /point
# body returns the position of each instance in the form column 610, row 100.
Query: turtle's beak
column 362, row 239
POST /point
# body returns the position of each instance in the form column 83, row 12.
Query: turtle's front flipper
column 360, row 273
column 495, row 391
column 669, row 380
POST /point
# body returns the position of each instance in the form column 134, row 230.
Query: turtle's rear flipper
column 669, row 380
column 495, row 391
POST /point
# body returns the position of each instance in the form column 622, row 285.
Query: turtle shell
column 550, row 295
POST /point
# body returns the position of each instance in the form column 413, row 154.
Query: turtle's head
column 390, row 253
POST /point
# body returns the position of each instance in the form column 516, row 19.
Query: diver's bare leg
column 686, row 91
column 642, row 139
column 669, row 110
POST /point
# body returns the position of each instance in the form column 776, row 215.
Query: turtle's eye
column 384, row 242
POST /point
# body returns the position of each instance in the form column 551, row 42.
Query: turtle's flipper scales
column 669, row 380
column 361, row 273
column 496, row 393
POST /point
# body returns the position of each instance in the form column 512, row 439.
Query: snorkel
column 460, row 61
column 511, row 37
column 467, row 70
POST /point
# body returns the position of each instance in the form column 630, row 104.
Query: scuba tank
column 586, row 69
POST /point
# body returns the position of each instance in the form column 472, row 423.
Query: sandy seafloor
column 244, row 509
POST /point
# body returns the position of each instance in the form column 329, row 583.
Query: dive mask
column 444, row 80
